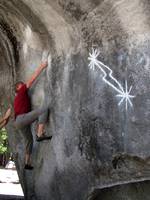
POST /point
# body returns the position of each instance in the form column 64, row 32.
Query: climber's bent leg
column 28, row 118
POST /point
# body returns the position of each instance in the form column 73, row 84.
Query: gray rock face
column 127, row 191
column 100, row 140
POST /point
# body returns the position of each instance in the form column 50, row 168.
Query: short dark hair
column 17, row 83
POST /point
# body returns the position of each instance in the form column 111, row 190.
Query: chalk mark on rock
column 124, row 94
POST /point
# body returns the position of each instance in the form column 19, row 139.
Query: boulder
column 97, row 88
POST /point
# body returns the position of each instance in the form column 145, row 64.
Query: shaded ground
column 10, row 197
column 9, row 185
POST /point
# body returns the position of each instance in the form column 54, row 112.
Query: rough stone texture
column 124, row 192
column 95, row 143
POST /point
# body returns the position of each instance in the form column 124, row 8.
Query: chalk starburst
column 93, row 58
column 124, row 94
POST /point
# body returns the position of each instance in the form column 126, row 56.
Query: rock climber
column 24, row 116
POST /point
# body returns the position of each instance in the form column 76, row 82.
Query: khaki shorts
column 23, row 123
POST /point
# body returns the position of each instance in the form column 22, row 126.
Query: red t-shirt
column 22, row 102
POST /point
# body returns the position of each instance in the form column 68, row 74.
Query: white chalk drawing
column 124, row 94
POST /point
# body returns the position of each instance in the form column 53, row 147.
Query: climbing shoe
column 43, row 137
column 28, row 167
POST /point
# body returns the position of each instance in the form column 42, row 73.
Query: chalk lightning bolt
column 123, row 94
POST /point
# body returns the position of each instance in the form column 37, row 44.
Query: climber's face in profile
column 18, row 86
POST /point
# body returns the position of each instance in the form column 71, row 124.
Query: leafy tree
column 3, row 141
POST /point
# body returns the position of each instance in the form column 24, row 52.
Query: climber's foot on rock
column 43, row 137
column 28, row 167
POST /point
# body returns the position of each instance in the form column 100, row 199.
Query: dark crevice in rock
column 126, row 160
column 8, row 31
column 134, row 191
column 73, row 9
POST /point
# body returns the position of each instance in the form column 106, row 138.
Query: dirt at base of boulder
column 10, row 197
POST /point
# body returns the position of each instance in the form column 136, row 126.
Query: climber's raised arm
column 36, row 74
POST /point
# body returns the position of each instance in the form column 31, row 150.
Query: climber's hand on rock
column 44, row 65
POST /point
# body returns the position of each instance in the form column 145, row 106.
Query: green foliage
column 3, row 141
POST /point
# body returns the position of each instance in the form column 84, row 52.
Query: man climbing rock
column 24, row 117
